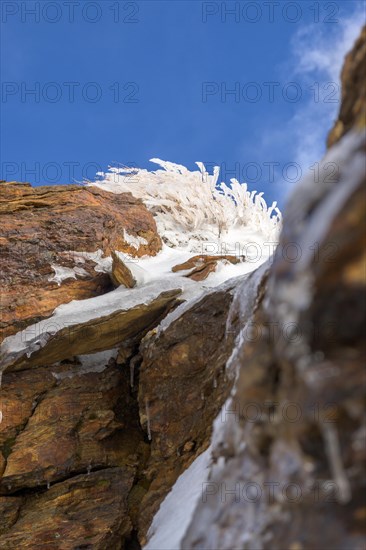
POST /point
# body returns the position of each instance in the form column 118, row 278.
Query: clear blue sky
column 149, row 62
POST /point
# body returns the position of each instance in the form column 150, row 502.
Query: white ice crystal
column 191, row 207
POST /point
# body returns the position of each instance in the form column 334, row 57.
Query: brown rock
column 353, row 106
column 70, row 427
column 87, row 511
column 201, row 266
column 9, row 511
column 39, row 228
column 121, row 275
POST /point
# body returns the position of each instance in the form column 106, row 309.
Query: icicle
column 333, row 451
column 215, row 383
column 132, row 370
column 132, row 373
column 148, row 419
column 88, row 470
column 202, row 396
column 48, row 485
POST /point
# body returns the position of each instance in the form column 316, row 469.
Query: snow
column 249, row 244
column 135, row 242
column 195, row 215
column 176, row 511
column 93, row 362
column 62, row 273
column 103, row 264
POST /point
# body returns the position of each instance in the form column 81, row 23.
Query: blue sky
column 123, row 82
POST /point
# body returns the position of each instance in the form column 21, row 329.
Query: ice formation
column 191, row 207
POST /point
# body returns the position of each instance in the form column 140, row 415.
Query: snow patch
column 134, row 241
column 62, row 273
column 103, row 264
column 93, row 362
column 176, row 511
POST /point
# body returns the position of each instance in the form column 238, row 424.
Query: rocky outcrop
column 71, row 445
column 89, row 326
column 353, row 106
column 65, row 426
column 91, row 415
column 289, row 445
column 43, row 228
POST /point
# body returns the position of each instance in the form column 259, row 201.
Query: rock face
column 71, row 424
column 353, row 107
column 64, row 426
column 41, row 230
column 70, row 455
column 290, row 441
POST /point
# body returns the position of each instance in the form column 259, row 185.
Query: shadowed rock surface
column 353, row 106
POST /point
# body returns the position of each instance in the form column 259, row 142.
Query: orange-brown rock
column 121, row 275
column 59, row 422
column 39, row 228
column 64, row 426
column 352, row 113
column 201, row 266
column 85, row 511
